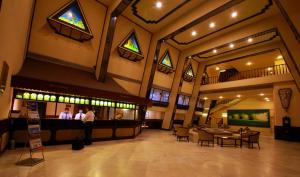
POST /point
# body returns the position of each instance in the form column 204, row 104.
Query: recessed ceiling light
column 212, row 25
column 239, row 96
column 221, row 97
column 261, row 94
column 231, row 45
column 194, row 33
column 250, row 40
column 279, row 57
column 270, row 69
column 217, row 68
column 190, row 57
column 158, row 4
column 234, row 14
column 268, row 100
column 205, row 98
column 215, row 51
column 223, row 70
column 249, row 63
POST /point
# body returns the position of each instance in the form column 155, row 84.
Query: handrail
column 258, row 72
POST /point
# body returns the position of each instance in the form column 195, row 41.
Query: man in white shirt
column 88, row 121
column 65, row 114
column 80, row 115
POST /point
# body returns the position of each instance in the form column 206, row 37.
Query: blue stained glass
column 132, row 44
column 167, row 60
column 74, row 17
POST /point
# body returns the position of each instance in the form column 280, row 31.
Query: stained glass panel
column 132, row 44
column 73, row 17
column 167, row 60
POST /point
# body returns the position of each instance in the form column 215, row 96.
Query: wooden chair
column 251, row 138
column 175, row 128
column 204, row 136
column 183, row 134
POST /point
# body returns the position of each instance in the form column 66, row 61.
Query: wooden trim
column 109, row 38
column 135, row 12
column 273, row 30
column 210, row 14
column 288, row 19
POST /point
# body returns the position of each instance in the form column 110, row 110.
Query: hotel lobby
column 149, row 88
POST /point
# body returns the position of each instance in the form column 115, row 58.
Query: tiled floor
column 156, row 153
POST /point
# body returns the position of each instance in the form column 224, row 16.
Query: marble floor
column 156, row 153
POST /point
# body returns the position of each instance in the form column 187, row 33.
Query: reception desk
column 56, row 131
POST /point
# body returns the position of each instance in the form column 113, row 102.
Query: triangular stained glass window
column 73, row 16
column 70, row 21
column 189, row 71
column 131, row 43
column 166, row 60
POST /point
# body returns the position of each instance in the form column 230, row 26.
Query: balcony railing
column 259, row 72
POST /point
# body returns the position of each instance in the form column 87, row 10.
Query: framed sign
column 3, row 76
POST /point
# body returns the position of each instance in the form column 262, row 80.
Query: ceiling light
column 266, row 98
column 239, row 96
column 217, row 68
column 231, row 45
column 194, row 33
column 270, row 69
column 206, row 108
column 215, row 51
column 234, row 14
column 221, row 97
column 205, row 98
column 223, row 70
column 212, row 25
column 250, row 40
column 261, row 94
column 279, row 57
column 249, row 63
column 158, row 4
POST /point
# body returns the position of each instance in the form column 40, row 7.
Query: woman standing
column 88, row 125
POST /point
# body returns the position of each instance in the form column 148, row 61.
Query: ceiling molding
column 164, row 15
column 201, row 55
column 213, row 13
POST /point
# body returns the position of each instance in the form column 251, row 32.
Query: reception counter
column 56, row 131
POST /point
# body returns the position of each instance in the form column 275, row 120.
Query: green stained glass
column 73, row 17
column 33, row 96
column 67, row 99
column 19, row 95
column 167, row 60
column 86, row 101
column 72, row 100
column 97, row 103
column 26, row 95
column 61, row 99
column 40, row 97
column 77, row 100
column 53, row 98
column 81, row 101
column 46, row 97
column 132, row 44
column 93, row 102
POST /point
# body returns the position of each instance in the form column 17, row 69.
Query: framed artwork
column 285, row 96
column 249, row 117
column 3, row 76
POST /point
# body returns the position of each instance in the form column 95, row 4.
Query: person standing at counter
column 80, row 115
column 88, row 121
column 65, row 114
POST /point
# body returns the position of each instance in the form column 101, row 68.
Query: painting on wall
column 3, row 76
column 165, row 65
column 70, row 21
column 249, row 117
column 130, row 48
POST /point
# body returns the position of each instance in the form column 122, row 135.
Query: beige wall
column 293, row 111
column 124, row 67
column 166, row 80
column 44, row 41
column 14, row 24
